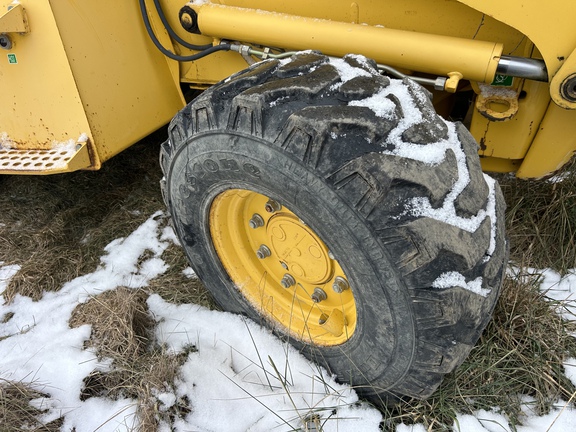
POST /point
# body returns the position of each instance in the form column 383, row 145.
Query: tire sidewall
column 382, row 347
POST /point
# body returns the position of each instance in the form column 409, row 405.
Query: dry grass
column 541, row 220
column 520, row 353
column 121, row 332
column 56, row 228
column 175, row 287
column 120, row 322
column 16, row 413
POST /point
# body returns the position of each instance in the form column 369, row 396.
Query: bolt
column 256, row 221
column 568, row 88
column 272, row 206
column 263, row 252
column 323, row 319
column 284, row 265
column 288, row 281
column 186, row 20
column 5, row 42
column 340, row 285
column 318, row 295
column 189, row 20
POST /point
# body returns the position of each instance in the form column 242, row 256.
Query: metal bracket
column 497, row 104
column 563, row 85
column 14, row 20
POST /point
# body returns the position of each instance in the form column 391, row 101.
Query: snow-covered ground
column 240, row 378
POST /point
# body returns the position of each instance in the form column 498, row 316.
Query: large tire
column 387, row 195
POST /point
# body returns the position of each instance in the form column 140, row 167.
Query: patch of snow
column 410, row 428
column 103, row 414
column 280, row 99
column 166, row 399
column 455, row 279
column 68, row 146
column 240, row 377
column 168, row 234
column 378, row 103
column 346, row 71
column 561, row 418
column 559, row 178
column 557, row 288
column 5, row 141
column 570, row 369
column 482, row 420
column 6, row 273
column 189, row 273
column 502, row 92
column 82, row 138
column 40, row 349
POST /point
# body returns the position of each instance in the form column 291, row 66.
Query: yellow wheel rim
column 282, row 267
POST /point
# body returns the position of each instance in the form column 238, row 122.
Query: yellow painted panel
column 553, row 146
column 491, row 164
column 511, row 139
column 125, row 83
column 39, row 99
column 550, row 24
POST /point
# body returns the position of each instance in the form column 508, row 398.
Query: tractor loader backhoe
column 329, row 180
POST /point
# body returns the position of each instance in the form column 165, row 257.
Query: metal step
column 60, row 159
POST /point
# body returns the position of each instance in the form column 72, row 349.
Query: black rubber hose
column 169, row 54
column 172, row 33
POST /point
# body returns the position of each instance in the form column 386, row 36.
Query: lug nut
column 272, row 206
column 318, row 295
column 288, row 281
column 256, row 222
column 263, row 252
column 340, row 285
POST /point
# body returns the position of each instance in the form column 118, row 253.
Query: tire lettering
column 186, row 190
column 211, row 166
column 252, row 170
column 229, row 165
column 198, row 171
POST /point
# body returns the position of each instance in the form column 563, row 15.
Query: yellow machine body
column 80, row 76
column 80, row 80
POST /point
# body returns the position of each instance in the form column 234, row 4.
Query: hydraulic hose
column 170, row 54
column 173, row 34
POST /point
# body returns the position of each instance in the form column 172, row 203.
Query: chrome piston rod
column 522, row 67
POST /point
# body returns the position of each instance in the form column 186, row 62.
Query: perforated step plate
column 60, row 159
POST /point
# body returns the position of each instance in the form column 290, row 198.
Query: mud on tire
column 394, row 191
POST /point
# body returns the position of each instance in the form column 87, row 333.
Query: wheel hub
column 282, row 267
column 300, row 249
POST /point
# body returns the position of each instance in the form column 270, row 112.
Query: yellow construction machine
column 328, row 180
